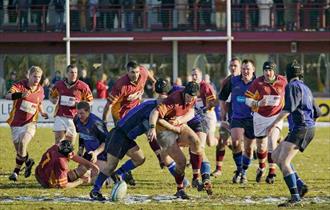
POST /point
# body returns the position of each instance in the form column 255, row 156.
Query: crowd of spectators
column 108, row 15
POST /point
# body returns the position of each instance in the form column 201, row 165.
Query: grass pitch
column 155, row 187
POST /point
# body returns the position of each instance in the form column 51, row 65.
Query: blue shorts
column 246, row 124
column 301, row 137
column 198, row 126
column 118, row 143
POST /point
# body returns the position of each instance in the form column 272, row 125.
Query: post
column 229, row 40
column 175, row 59
column 68, row 44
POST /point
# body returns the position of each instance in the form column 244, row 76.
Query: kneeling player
column 53, row 170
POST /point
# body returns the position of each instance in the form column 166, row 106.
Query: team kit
column 252, row 111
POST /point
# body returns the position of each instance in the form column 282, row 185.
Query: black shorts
column 199, row 126
column 246, row 123
column 118, row 143
column 301, row 137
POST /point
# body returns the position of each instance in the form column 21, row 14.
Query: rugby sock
column 19, row 162
column 262, row 159
column 220, row 155
column 196, row 164
column 238, row 158
column 300, row 182
column 100, row 179
column 156, row 148
column 126, row 167
column 206, row 168
column 179, row 180
column 272, row 167
column 171, row 168
column 291, row 182
column 246, row 163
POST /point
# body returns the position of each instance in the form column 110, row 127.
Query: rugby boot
column 182, row 194
column 216, row 173
column 291, row 203
column 96, row 196
column 197, row 184
column 303, row 190
column 129, row 179
column 243, row 178
column 207, row 185
column 260, row 174
column 13, row 177
column 236, row 177
column 270, row 179
column 28, row 167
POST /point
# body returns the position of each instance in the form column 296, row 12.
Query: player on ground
column 171, row 137
column 241, row 120
column 92, row 134
column 66, row 94
column 266, row 98
column 53, row 170
column 301, row 112
column 27, row 95
column 225, row 115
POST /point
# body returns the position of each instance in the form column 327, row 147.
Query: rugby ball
column 118, row 191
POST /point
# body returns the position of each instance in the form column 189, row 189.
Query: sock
column 272, row 167
column 179, row 180
column 19, row 162
column 126, row 167
column 220, row 155
column 299, row 181
column 156, row 148
column 262, row 159
column 171, row 168
column 246, row 163
column 196, row 164
column 206, row 168
column 100, row 179
column 291, row 182
column 238, row 158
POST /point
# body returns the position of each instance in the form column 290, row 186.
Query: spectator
column 290, row 14
column 11, row 81
column 1, row 14
column 3, row 89
column 205, row 13
column 111, row 82
column 39, row 9
column 23, row 9
column 181, row 7
column 264, row 13
column 59, row 13
column 207, row 79
column 167, row 7
column 252, row 14
column 12, row 15
column 46, row 86
column 102, row 87
column 149, row 87
column 93, row 13
column 57, row 77
column 85, row 78
column 128, row 7
column 220, row 14
column 279, row 14
column 82, row 6
column 178, row 82
column 236, row 14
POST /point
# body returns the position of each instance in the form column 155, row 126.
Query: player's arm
column 113, row 97
column 153, row 118
column 101, row 134
column 223, row 97
column 54, row 95
column 15, row 93
column 210, row 98
column 106, row 111
column 86, row 163
column 151, row 77
column 41, row 110
column 73, row 184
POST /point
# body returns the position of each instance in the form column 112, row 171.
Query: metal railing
column 169, row 17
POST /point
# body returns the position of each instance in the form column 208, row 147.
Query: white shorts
column 211, row 120
column 65, row 124
column 18, row 131
column 166, row 138
column 260, row 123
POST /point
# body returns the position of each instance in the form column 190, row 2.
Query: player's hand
column 94, row 156
column 86, row 178
column 26, row 94
column 177, row 129
column 44, row 115
column 152, row 135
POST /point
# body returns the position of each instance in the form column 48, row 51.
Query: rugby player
column 225, row 115
column 92, row 134
column 301, row 111
column 53, row 170
column 121, row 141
column 66, row 94
column 27, row 95
column 171, row 136
column 266, row 98
column 241, row 120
